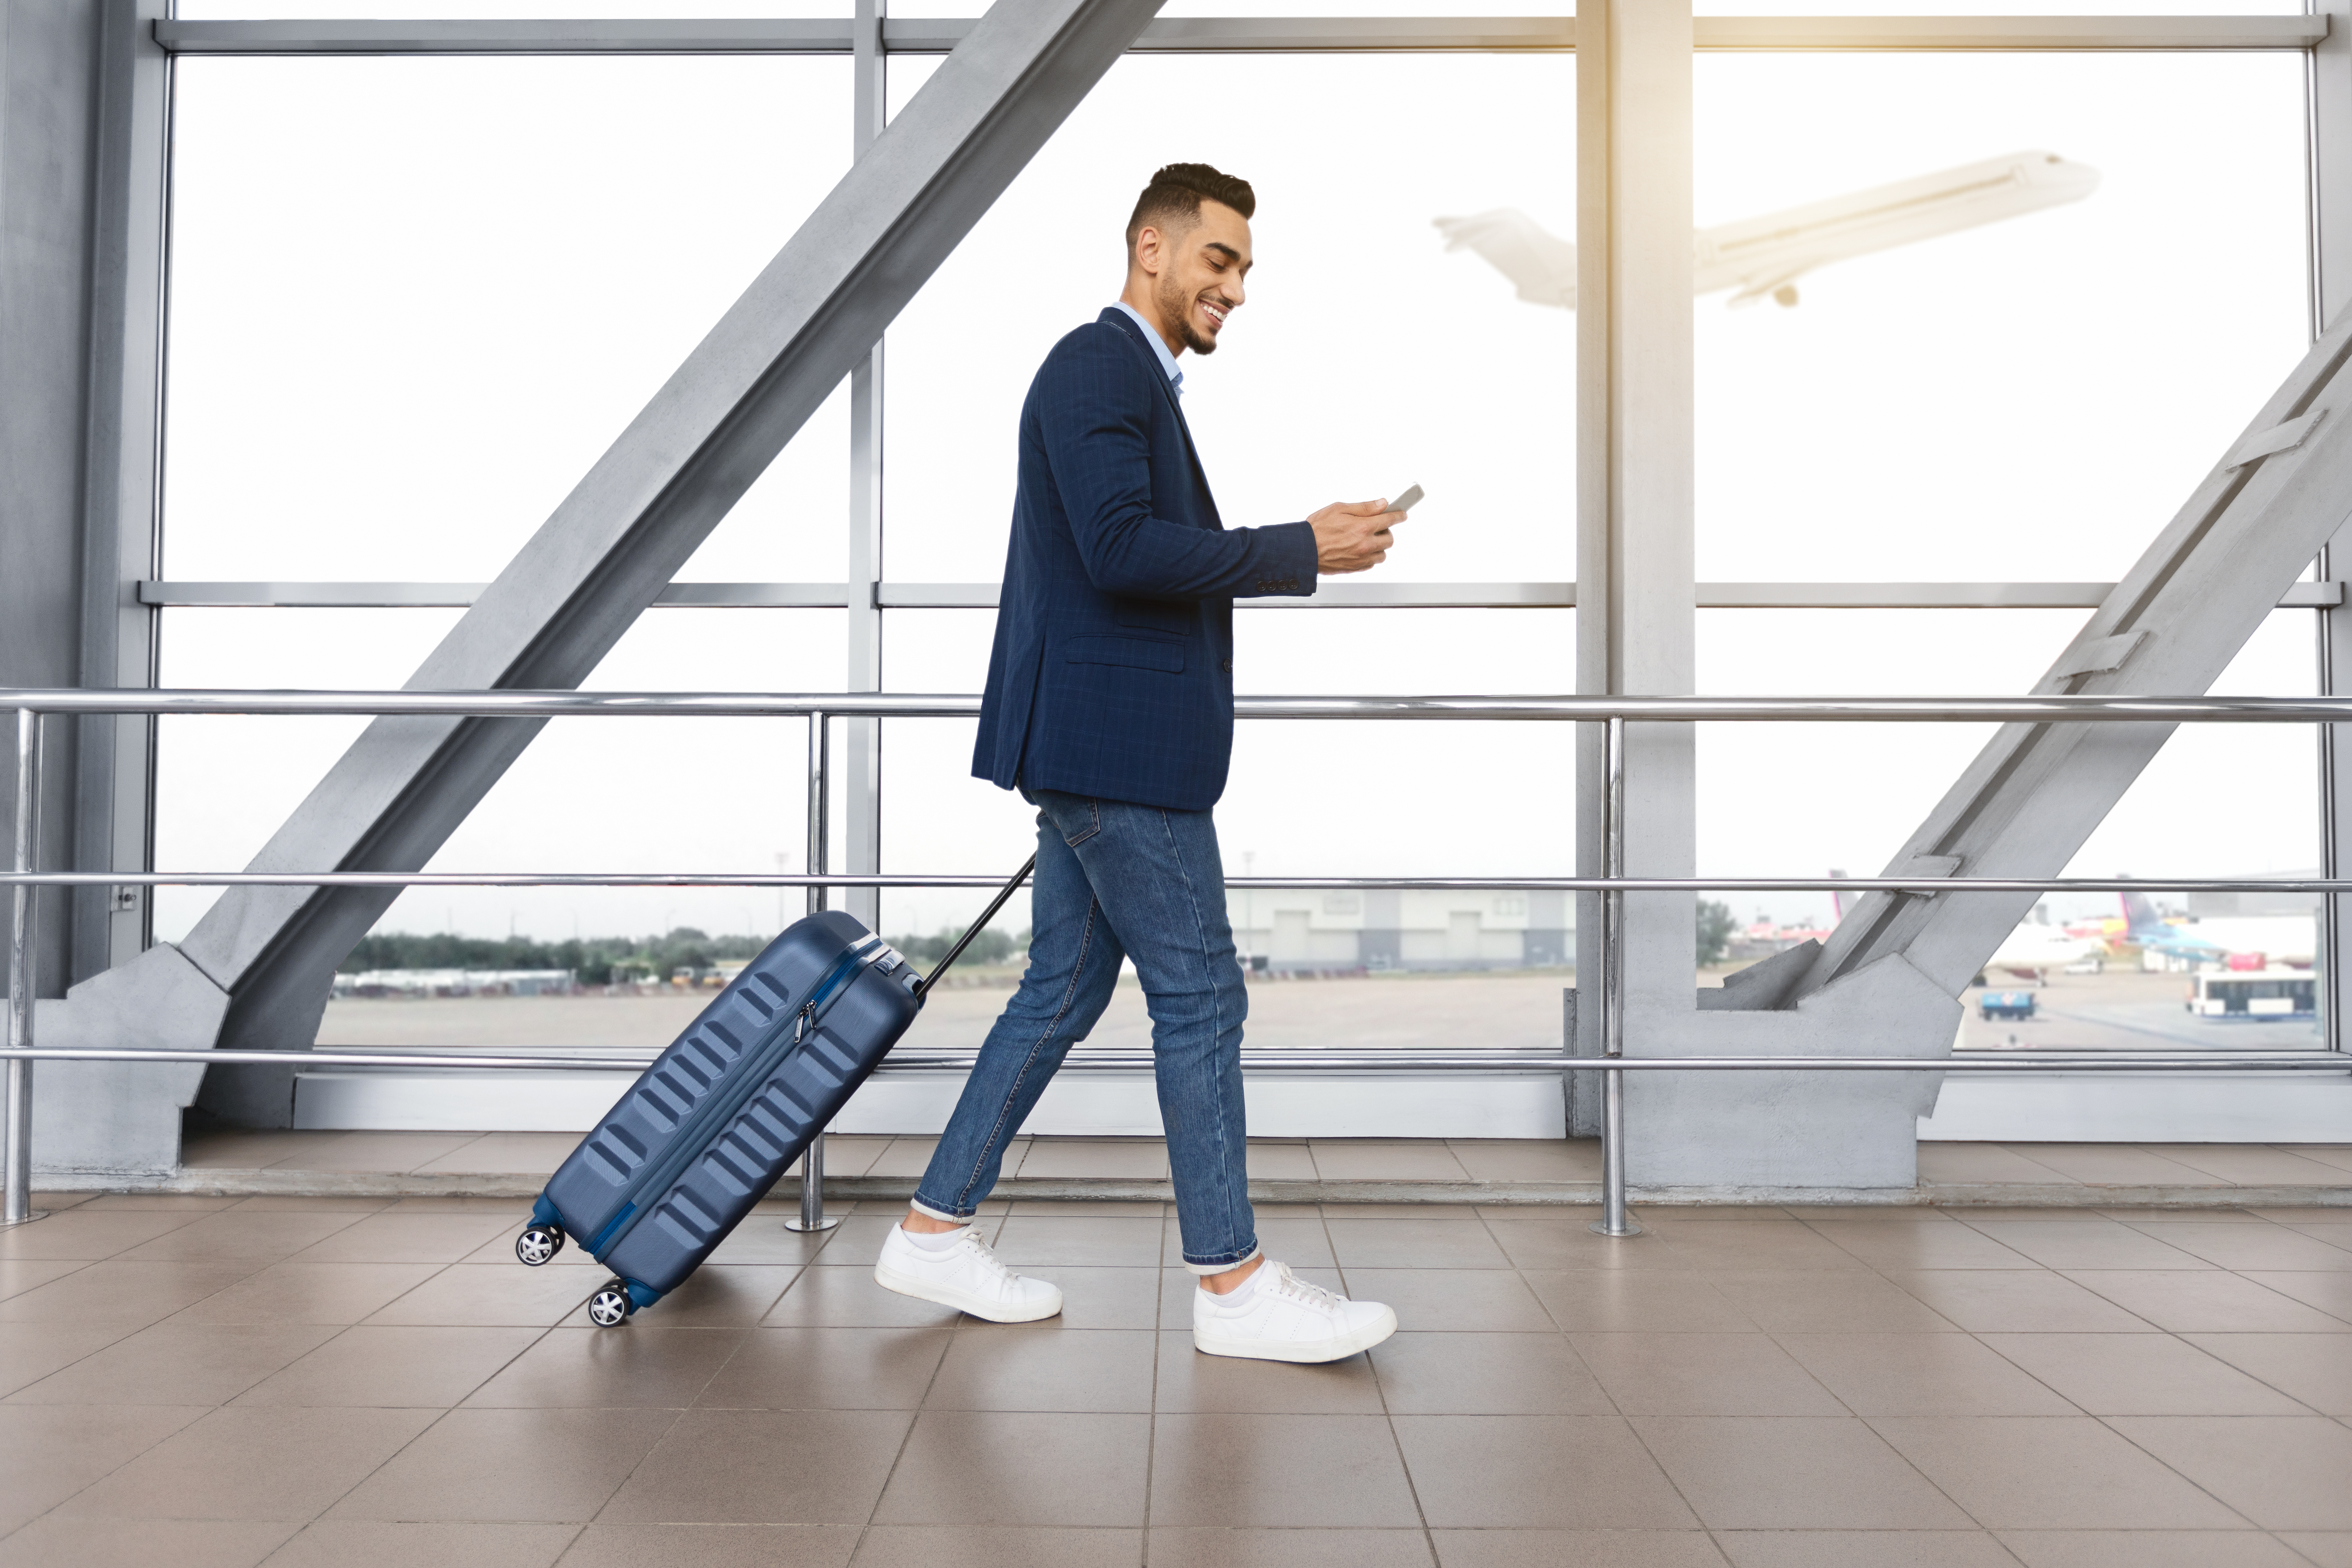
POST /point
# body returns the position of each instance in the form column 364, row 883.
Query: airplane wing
column 1540, row 265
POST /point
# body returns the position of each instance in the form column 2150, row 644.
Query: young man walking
column 1110, row 705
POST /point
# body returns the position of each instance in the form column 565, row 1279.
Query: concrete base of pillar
column 1818, row 1129
column 122, row 1118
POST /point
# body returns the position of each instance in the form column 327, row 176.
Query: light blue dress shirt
column 1159, row 346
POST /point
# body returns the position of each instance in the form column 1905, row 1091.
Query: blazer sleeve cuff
column 1284, row 563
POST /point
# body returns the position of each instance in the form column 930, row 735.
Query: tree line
column 608, row 960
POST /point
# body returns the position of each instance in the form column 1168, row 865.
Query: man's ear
column 1147, row 249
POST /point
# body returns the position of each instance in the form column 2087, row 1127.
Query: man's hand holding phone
column 1353, row 536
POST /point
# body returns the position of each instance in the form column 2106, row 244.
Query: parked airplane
column 2288, row 940
column 2035, row 949
column 1766, row 255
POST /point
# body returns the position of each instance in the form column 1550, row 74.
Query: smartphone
column 1407, row 501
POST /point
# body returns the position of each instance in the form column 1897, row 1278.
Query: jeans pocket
column 1078, row 820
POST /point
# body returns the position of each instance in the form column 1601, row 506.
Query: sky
column 413, row 299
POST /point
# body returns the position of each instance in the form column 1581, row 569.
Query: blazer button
column 1226, row 664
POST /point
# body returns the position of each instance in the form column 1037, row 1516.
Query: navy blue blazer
column 1112, row 674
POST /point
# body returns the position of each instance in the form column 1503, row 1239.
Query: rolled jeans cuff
column 1205, row 1269
column 942, row 1215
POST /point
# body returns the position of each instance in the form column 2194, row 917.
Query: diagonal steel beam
column 2034, row 794
column 651, row 499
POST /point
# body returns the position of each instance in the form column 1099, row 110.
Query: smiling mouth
column 1215, row 313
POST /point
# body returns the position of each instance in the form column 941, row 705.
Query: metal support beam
column 2037, row 791
column 1634, row 479
column 861, row 737
column 615, row 542
column 2327, row 87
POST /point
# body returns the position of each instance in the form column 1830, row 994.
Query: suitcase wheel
column 610, row 1307
column 539, row 1243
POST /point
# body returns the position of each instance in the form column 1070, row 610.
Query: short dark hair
column 1178, row 190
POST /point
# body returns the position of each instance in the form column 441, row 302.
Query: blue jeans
column 1114, row 881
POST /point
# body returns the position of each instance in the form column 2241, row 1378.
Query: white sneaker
column 967, row 1276
column 1284, row 1318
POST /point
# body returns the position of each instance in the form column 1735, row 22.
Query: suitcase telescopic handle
column 976, row 927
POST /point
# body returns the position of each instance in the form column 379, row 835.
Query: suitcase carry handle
column 986, row 915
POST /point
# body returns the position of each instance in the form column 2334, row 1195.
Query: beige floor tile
column 88, row 1235
column 1134, row 1159
column 242, row 1236
column 1190, row 1381
column 2314, row 1368
column 1584, row 1548
column 131, row 1294
column 1473, row 1300
column 1008, row 1546
column 381, row 1365
column 19, row 1274
column 1031, row 1242
column 2255, row 1246
column 2053, row 1472
column 1794, row 1473
column 2038, row 1213
column 1527, row 1159
column 1718, row 1245
column 2134, row 1374
column 502, row 1154
column 1020, row 1468
column 2337, row 1154
column 543, row 1465
column 2284, row 1472
column 2330, row 1293
column 1551, row 1244
column 713, row 1546
column 491, row 1295
column 1702, row 1374
column 1281, row 1163
column 178, row 1363
column 2252, row 1164
column 1937, row 1244
column 363, row 1543
column 1254, row 1549
column 1467, row 1213
column 1959, row 1163
column 1277, row 1472
column 201, row 1203
column 2140, row 1214
column 2088, row 1243
column 2336, row 1236
column 1630, row 1301
column 2329, row 1549
column 721, row 1296
column 656, row 1367
column 31, row 1351
column 761, row 1238
column 2113, row 1164
column 849, row 1154
column 828, row 1369
column 249, row 1150
column 49, row 1452
column 409, row 1236
column 309, row 1293
column 847, row 1297
column 288, row 1203
column 1992, row 1301
column 1413, row 1244
column 388, row 1152
column 1099, row 1370
column 247, row 1463
column 1864, row 1549
column 1512, row 1214
column 1486, row 1375
column 1385, row 1159
column 58, row 1542
column 2305, row 1214
column 1923, row 1375
column 1827, row 1303
column 2209, row 1303
column 2148, row 1549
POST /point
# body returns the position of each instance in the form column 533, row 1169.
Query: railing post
column 17, row 1201
column 1613, row 1220
column 820, row 790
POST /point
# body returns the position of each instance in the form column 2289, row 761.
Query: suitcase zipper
column 686, row 1145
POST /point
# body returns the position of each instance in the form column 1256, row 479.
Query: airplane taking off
column 1766, row 255
column 2290, row 941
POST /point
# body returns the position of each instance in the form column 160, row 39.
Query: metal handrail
column 31, row 705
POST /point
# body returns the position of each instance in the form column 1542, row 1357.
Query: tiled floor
column 217, row 1382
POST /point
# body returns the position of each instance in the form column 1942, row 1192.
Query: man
column 1110, row 705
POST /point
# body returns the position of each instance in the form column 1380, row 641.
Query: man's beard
column 1178, row 307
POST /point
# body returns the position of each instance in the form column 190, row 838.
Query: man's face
column 1200, row 272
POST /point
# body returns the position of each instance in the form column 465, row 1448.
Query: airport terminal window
column 400, row 338
column 2030, row 399
column 1422, row 369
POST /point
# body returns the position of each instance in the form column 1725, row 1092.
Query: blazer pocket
column 1137, row 653
column 1172, row 617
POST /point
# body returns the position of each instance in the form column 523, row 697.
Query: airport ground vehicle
column 2009, row 1005
column 2271, row 994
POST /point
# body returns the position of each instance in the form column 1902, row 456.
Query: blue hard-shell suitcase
column 679, row 1160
